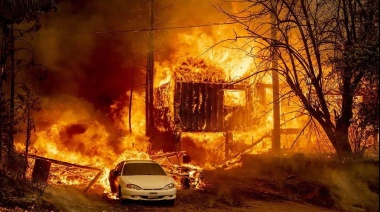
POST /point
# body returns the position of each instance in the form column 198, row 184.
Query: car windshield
column 142, row 169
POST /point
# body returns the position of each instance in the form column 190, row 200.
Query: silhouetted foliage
column 17, row 103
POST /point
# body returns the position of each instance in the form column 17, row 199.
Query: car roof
column 139, row 161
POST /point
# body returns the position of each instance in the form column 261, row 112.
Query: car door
column 114, row 177
column 118, row 172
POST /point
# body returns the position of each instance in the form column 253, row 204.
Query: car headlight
column 169, row 186
column 132, row 186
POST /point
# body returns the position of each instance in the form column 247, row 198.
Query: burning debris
column 186, row 175
column 46, row 170
column 60, row 172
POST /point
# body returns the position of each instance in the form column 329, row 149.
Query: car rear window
column 142, row 169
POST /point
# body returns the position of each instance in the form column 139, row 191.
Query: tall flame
column 72, row 130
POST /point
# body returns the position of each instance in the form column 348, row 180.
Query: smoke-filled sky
column 88, row 48
column 91, row 48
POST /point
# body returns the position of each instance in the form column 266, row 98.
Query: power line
column 136, row 30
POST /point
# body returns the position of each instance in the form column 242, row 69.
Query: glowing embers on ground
column 45, row 170
column 63, row 175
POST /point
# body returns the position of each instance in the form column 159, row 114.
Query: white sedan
column 142, row 180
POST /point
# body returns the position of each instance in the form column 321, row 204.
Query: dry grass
column 349, row 186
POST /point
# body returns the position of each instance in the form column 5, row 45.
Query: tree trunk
column 343, row 147
column 28, row 134
column 12, row 101
column 339, row 140
column 342, row 143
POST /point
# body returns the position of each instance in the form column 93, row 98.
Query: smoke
column 88, row 69
column 86, row 61
column 91, row 48
column 89, row 51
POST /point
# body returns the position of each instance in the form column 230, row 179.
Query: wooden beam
column 92, row 182
column 64, row 163
column 39, row 158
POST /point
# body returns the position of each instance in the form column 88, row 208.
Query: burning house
column 203, row 105
column 207, row 104
column 200, row 110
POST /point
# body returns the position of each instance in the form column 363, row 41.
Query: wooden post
column 201, row 108
column 220, row 107
column 195, row 107
column 207, row 100
column 92, row 182
column 190, row 102
column 213, row 107
column 229, row 139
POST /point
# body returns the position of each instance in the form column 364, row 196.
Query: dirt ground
column 308, row 187
column 72, row 199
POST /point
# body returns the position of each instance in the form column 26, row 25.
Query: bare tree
column 326, row 52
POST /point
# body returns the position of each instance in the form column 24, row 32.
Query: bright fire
column 73, row 131
column 235, row 98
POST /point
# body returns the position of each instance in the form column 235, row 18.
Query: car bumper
column 149, row 195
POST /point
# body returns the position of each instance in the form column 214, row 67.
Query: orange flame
column 235, row 98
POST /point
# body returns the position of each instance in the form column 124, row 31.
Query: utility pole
column 149, row 76
column 276, row 143
column 132, row 86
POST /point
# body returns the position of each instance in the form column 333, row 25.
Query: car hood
column 148, row 181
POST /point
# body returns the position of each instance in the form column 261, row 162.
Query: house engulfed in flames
column 209, row 115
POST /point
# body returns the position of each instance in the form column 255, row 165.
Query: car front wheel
column 122, row 201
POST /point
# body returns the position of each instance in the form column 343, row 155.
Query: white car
column 142, row 180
